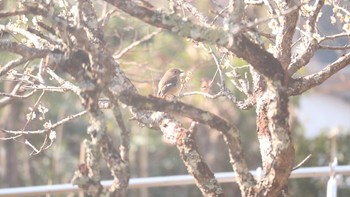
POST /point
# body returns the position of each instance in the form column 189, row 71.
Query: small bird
column 170, row 83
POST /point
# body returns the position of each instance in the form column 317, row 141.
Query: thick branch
column 157, row 104
column 300, row 85
column 123, row 179
column 27, row 53
column 311, row 22
column 240, row 45
column 312, row 43
column 286, row 31
column 229, row 132
column 4, row 14
column 304, row 58
column 204, row 177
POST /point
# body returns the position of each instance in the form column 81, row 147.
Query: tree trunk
column 11, row 120
column 275, row 140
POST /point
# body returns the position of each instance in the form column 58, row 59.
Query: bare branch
column 4, row 14
column 236, row 43
column 218, row 15
column 335, row 36
column 31, row 146
column 35, row 151
column 34, row 39
column 329, row 47
column 287, row 24
column 218, row 66
column 244, row 105
column 253, row 24
column 254, row 2
column 48, row 128
column 124, row 171
column 125, row 134
column 10, row 138
column 105, row 17
column 241, row 83
column 202, row 94
column 27, row 54
column 134, row 44
column 304, row 58
column 64, row 84
column 22, row 49
column 12, row 64
column 87, row 58
column 311, row 22
column 272, row 7
column 11, row 95
column 236, row 10
column 302, row 162
column 193, row 10
column 46, row 88
column 31, row 114
column 7, row 100
column 119, row 169
column 230, row 133
column 347, row 12
column 303, row 84
column 195, row 165
column 158, row 104
column 312, row 43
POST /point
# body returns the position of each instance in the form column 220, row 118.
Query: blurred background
column 317, row 116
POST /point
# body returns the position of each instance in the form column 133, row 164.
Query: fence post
column 332, row 182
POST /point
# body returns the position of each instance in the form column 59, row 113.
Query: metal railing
column 162, row 181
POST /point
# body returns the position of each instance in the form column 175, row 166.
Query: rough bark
column 76, row 46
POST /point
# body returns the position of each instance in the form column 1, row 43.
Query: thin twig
column 38, row 43
column 134, row 44
column 335, row 36
column 218, row 15
column 302, row 162
column 7, row 99
column 202, row 94
column 41, row 147
column 64, row 84
column 31, row 146
column 267, row 19
column 11, row 95
column 105, row 18
column 218, row 65
column 12, row 64
column 45, row 88
column 10, row 138
column 347, row 12
column 68, row 118
column 193, row 10
column 34, row 108
column 335, row 47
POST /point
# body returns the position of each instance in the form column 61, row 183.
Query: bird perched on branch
column 170, row 83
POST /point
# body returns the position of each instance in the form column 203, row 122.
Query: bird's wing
column 167, row 85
